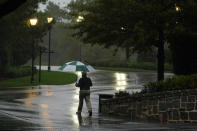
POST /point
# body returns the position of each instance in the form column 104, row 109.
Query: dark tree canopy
column 132, row 23
column 8, row 6
column 17, row 36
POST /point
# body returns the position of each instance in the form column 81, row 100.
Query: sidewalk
column 53, row 108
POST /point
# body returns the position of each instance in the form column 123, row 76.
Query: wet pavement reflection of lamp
column 33, row 22
column 49, row 20
column 121, row 81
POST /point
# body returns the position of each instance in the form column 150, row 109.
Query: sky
column 61, row 3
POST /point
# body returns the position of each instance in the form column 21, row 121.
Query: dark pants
column 84, row 95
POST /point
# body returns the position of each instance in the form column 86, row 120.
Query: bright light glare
column 49, row 19
column 78, row 73
column 80, row 19
column 120, row 76
column 121, row 88
column 33, row 21
column 177, row 8
column 75, row 119
column 121, row 82
column 122, row 28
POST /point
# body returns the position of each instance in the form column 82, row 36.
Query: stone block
column 193, row 115
column 175, row 115
column 153, row 118
column 150, row 102
column 191, row 98
column 163, row 117
column 162, row 99
column 139, row 108
column 183, row 106
column 150, row 112
column 187, row 121
column 196, row 106
column 195, row 121
column 133, row 115
column 162, row 107
column 155, row 109
column 155, row 102
column 170, row 115
column 184, row 115
column 190, row 106
column 183, row 98
column 176, row 104
column 173, row 121
column 169, row 104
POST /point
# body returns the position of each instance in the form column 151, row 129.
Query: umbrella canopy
column 74, row 66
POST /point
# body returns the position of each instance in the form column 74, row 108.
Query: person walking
column 84, row 83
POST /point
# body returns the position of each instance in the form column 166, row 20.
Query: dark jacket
column 84, row 83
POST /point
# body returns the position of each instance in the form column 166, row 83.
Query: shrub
column 122, row 94
column 175, row 83
column 20, row 71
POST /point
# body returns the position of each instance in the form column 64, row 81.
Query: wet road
column 53, row 108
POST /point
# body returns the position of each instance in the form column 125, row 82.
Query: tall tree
column 17, row 49
column 125, row 23
column 183, row 38
column 105, row 22
column 157, row 18
column 139, row 24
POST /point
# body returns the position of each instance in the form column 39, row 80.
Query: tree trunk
column 160, row 57
column 127, row 51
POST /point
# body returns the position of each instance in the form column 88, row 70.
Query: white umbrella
column 75, row 66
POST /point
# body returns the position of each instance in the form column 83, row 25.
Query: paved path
column 53, row 108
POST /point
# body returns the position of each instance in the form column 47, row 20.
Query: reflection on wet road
column 50, row 107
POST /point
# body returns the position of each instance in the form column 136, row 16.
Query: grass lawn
column 123, row 69
column 47, row 78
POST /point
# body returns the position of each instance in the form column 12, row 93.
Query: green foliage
column 183, row 39
column 4, row 62
column 105, row 22
column 53, row 10
column 184, row 54
column 122, row 94
column 17, row 36
column 135, row 23
column 175, row 83
column 19, row 71
column 47, row 78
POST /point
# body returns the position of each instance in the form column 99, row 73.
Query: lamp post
column 33, row 22
column 49, row 20
column 80, row 19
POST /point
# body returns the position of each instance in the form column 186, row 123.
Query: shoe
column 90, row 113
column 78, row 113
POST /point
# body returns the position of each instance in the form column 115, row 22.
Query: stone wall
column 165, row 107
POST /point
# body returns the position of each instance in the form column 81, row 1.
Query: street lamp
column 33, row 22
column 177, row 8
column 80, row 19
column 49, row 20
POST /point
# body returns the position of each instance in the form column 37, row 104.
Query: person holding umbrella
column 84, row 84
